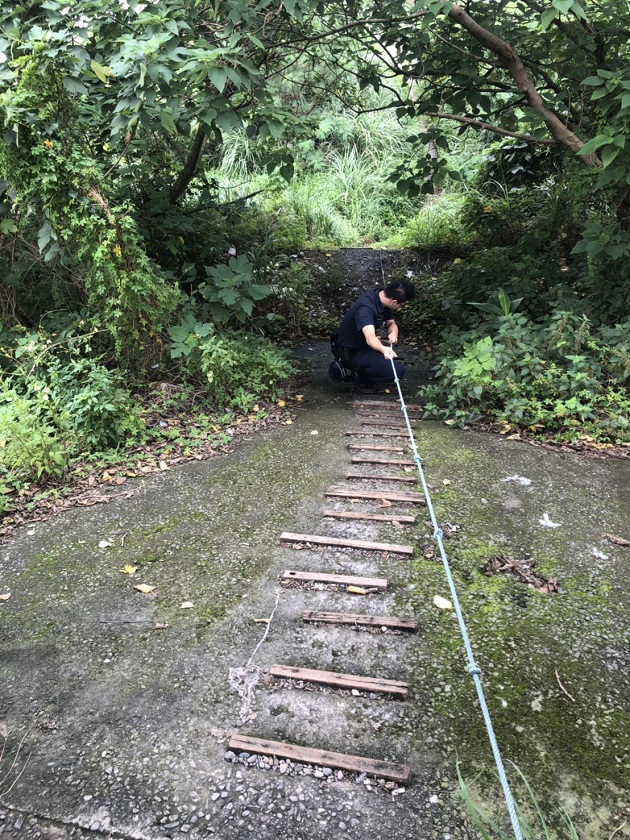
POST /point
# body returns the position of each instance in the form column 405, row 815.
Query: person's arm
column 392, row 331
column 376, row 344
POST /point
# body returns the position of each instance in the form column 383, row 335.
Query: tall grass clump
column 437, row 226
column 341, row 192
column 534, row 824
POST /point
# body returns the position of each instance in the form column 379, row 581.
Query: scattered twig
column 562, row 688
column 619, row 827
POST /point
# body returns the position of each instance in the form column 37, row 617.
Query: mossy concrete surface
column 125, row 699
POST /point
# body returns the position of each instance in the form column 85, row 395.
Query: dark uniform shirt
column 367, row 310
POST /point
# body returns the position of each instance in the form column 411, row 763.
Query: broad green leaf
column 609, row 154
column 102, row 71
column 547, row 17
column 595, row 143
column 168, row 122
column 218, row 77
column 73, row 85
column 563, row 6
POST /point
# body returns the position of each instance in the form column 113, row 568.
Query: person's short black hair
column 400, row 290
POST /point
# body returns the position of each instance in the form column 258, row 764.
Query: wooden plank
column 378, row 495
column 377, row 433
column 400, row 773
column 393, row 403
column 341, row 580
column 380, row 414
column 375, row 447
column 394, row 423
column 366, row 545
column 315, row 617
column 358, row 476
column 372, row 517
column 373, row 685
column 358, row 459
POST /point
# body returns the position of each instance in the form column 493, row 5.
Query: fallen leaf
column 5, row 596
column 145, row 588
column 299, row 397
column 408, row 469
column 515, row 436
column 256, row 408
column 130, row 570
column 442, row 603
column 387, row 391
column 357, row 590
column 163, row 466
column 281, row 403
column 616, row 540
column 119, row 480
column 106, row 476
column 289, row 423
column 260, row 620
column 599, row 554
column 385, row 503
column 449, row 422
column 297, row 546
column 187, row 605
column 446, row 482
column 104, row 544
column 160, row 626
column 91, row 481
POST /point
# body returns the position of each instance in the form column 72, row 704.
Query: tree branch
column 190, row 167
column 514, row 65
column 504, row 132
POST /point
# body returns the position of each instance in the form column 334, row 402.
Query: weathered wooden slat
column 388, row 495
column 376, row 433
column 393, row 423
column 400, row 462
column 393, row 403
column 315, row 617
column 405, row 479
column 380, row 414
column 400, row 773
column 366, row 545
column 341, row 580
column 374, row 447
column 375, row 685
column 372, row 517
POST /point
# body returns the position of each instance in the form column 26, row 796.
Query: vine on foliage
column 51, row 174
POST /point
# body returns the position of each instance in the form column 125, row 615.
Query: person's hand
column 390, row 353
column 393, row 338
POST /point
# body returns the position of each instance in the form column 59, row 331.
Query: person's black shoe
column 364, row 389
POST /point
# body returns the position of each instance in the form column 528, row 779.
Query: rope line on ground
column 473, row 668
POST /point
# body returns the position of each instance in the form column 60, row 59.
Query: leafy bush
column 58, row 403
column 559, row 376
column 238, row 369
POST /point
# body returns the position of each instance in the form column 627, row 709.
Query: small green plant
column 231, row 290
column 534, row 827
column 237, row 368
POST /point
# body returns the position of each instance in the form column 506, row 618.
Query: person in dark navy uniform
column 359, row 346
